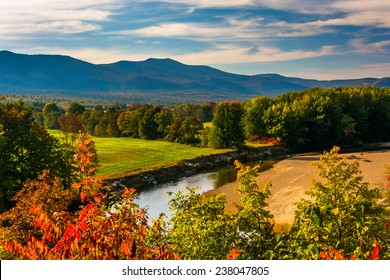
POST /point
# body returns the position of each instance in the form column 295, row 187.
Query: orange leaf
column 128, row 192
column 233, row 254
column 125, row 249
column 83, row 196
column 325, row 256
column 76, row 185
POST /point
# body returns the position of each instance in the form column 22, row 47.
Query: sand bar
column 291, row 178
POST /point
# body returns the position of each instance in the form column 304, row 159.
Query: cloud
column 235, row 54
column 92, row 55
column 361, row 5
column 360, row 46
column 59, row 27
column 230, row 29
column 275, row 4
column 210, row 3
column 28, row 17
column 378, row 70
column 218, row 32
column 361, row 18
column 221, row 55
column 226, row 29
column 355, row 12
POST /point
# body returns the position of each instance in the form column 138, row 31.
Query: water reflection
column 156, row 198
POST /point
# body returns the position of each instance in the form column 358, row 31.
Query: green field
column 120, row 157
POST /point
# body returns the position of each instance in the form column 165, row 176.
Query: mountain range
column 162, row 79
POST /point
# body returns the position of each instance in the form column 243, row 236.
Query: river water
column 156, row 198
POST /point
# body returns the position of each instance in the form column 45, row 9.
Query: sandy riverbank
column 291, row 178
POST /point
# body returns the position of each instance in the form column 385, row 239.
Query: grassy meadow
column 120, row 157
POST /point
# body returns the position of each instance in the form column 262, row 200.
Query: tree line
column 318, row 118
column 305, row 120
column 181, row 123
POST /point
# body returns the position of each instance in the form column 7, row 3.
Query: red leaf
column 375, row 253
column 68, row 232
column 83, row 224
column 58, row 247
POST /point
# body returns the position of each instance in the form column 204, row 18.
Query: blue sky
column 303, row 38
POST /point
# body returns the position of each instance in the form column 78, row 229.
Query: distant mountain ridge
column 21, row 73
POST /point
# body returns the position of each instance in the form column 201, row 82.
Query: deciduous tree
column 26, row 149
column 227, row 130
column 343, row 214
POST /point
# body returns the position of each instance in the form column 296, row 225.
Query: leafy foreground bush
column 202, row 228
column 344, row 215
column 344, row 219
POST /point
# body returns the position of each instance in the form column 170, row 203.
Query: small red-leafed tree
column 98, row 231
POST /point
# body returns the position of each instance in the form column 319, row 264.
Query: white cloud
column 25, row 17
column 374, row 70
column 221, row 55
column 196, row 32
column 231, row 29
column 236, row 54
column 363, row 18
column 276, row 4
column 360, row 46
column 92, row 55
column 361, row 5
column 211, row 3
column 356, row 12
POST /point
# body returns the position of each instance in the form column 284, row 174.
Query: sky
column 320, row 39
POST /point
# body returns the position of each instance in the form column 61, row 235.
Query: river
column 156, row 198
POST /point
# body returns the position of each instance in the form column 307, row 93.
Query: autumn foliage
column 46, row 193
column 343, row 220
column 333, row 254
column 97, row 231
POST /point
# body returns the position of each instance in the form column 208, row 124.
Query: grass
column 121, row 157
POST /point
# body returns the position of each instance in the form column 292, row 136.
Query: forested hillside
column 153, row 80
